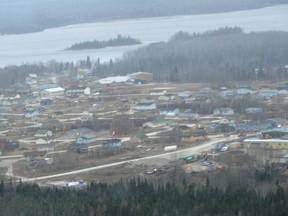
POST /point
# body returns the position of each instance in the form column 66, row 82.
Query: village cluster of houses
column 160, row 107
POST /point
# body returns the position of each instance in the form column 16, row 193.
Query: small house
column 268, row 93
column 227, row 120
column 169, row 112
column 78, row 132
column 142, row 77
column 145, row 106
column 76, row 90
column 187, row 114
column 30, row 114
column 254, row 110
column 245, row 91
column 166, row 97
column 86, row 139
column 41, row 141
column 158, row 123
column 111, row 143
column 56, row 114
column 45, row 147
column 158, row 92
column 43, row 133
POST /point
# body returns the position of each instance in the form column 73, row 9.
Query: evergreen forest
column 119, row 41
column 137, row 197
column 226, row 54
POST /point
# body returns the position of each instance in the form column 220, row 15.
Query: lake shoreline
column 47, row 45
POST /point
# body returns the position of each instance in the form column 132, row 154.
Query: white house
column 283, row 92
column 158, row 123
column 54, row 92
column 115, row 79
column 158, row 92
column 166, row 97
column 78, row 91
column 227, row 120
column 169, row 112
column 41, row 141
column 189, row 115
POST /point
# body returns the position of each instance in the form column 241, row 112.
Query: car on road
column 150, row 171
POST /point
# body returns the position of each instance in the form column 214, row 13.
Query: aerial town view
column 136, row 121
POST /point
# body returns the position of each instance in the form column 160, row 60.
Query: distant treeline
column 137, row 197
column 226, row 54
column 28, row 16
column 119, row 41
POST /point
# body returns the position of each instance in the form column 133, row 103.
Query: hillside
column 227, row 54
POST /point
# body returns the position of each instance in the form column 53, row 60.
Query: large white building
column 54, row 92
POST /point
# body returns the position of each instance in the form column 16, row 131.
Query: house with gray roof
column 86, row 139
column 111, row 143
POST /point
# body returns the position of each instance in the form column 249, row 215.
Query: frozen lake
column 50, row 44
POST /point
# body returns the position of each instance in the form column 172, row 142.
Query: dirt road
column 170, row 156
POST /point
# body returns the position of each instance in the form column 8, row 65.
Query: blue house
column 30, row 114
column 86, row 139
